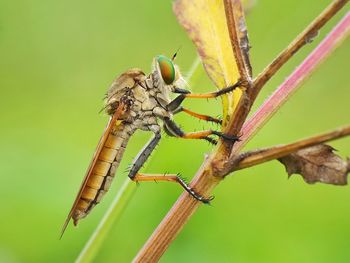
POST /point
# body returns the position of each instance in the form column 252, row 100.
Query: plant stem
column 302, row 39
column 237, row 29
column 252, row 90
column 292, row 83
column 256, row 157
column 94, row 243
column 176, row 218
column 205, row 180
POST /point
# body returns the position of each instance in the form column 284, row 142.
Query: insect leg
column 173, row 134
column 175, row 130
column 175, row 107
column 214, row 94
column 143, row 155
column 141, row 159
column 186, row 94
column 197, row 115
column 171, row 178
column 180, row 91
column 175, row 103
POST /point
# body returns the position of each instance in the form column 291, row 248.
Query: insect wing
column 111, row 123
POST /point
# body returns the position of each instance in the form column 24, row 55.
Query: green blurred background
column 57, row 59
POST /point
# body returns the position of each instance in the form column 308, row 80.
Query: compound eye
column 167, row 69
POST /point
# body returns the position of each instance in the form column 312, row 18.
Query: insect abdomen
column 102, row 173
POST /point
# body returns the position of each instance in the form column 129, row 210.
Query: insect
column 138, row 101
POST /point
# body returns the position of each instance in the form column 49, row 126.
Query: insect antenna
column 175, row 54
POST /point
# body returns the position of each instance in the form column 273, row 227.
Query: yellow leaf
column 205, row 23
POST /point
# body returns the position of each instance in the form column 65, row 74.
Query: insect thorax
column 146, row 97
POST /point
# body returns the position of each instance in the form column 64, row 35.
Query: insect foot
column 211, row 140
column 227, row 137
column 193, row 193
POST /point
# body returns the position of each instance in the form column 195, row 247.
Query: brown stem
column 238, row 36
column 177, row 217
column 292, row 83
column 237, row 29
column 302, row 39
column 252, row 89
column 256, row 157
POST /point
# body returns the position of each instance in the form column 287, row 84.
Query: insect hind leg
column 143, row 155
column 171, row 178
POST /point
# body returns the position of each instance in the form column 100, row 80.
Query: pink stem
column 292, row 83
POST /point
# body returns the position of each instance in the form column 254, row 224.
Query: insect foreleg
column 180, row 91
column 214, row 94
column 173, row 105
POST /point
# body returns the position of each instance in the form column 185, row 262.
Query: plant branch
column 239, row 37
column 339, row 33
column 252, row 90
column 256, row 157
column 304, row 38
column 205, row 180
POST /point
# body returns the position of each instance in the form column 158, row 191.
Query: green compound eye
column 167, row 69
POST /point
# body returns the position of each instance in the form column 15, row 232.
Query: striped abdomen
column 102, row 170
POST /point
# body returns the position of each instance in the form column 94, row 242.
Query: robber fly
column 138, row 101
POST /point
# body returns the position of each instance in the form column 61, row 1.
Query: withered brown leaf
column 318, row 164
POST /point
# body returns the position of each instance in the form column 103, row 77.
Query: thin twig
column 339, row 33
column 256, row 157
column 302, row 39
column 253, row 89
column 204, row 181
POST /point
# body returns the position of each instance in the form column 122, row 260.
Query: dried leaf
column 205, row 22
column 318, row 164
